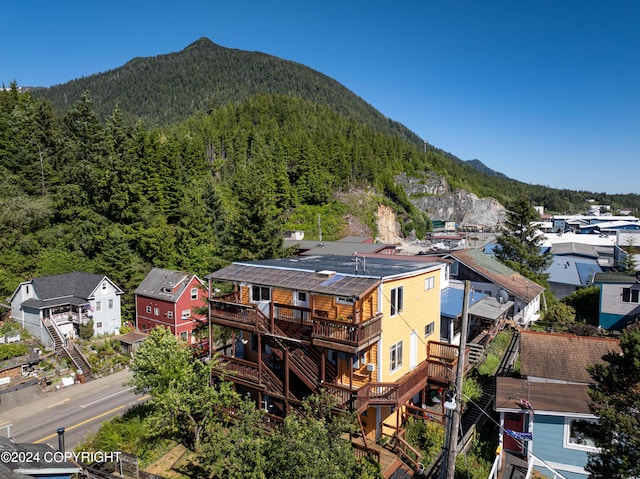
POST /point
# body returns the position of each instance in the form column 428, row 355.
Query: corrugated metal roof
column 330, row 274
column 452, row 300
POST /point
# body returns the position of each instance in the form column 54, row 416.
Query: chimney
column 60, row 432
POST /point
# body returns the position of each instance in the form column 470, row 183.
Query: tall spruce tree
column 519, row 242
column 615, row 396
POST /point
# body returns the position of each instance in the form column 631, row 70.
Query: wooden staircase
column 55, row 335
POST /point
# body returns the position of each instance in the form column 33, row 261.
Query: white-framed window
column 183, row 335
column 344, row 300
column 99, row 325
column 111, row 304
column 170, row 314
column 577, row 434
column 454, row 268
column 156, row 311
column 104, row 286
column 429, row 283
column 302, row 296
column 397, row 300
column 446, row 272
column 260, row 293
column 630, row 295
column 98, row 305
column 148, row 309
column 395, row 357
column 429, row 329
column 194, row 293
column 186, row 313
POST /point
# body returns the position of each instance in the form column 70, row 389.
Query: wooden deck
column 389, row 462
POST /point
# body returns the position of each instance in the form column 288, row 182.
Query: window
column 429, row 283
column 260, row 293
column 396, row 357
column 344, row 300
column 98, row 305
column 397, row 300
column 183, row 335
column 148, row 309
column 454, row 268
column 170, row 314
column 194, row 293
column 186, row 313
column 156, row 311
column 111, row 304
column 302, row 296
column 104, row 286
column 429, row 329
column 630, row 295
column 99, row 325
column 578, row 434
column 446, row 272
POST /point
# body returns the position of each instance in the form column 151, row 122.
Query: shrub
column 13, row 350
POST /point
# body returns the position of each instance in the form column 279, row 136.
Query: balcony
column 233, row 315
column 300, row 323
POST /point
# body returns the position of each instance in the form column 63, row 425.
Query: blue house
column 543, row 414
column 619, row 300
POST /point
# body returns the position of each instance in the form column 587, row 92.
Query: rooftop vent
column 326, row 272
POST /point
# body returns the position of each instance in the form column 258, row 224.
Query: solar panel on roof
column 332, row 280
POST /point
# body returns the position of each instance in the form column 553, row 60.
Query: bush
column 86, row 330
column 427, row 436
column 471, row 390
column 13, row 350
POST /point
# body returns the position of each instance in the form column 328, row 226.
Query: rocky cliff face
column 431, row 193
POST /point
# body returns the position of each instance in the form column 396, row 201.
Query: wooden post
column 450, row 459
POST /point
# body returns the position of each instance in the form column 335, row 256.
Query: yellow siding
column 282, row 296
column 420, row 308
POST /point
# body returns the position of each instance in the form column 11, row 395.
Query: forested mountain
column 85, row 188
column 166, row 89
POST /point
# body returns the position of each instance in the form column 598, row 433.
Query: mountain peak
column 202, row 43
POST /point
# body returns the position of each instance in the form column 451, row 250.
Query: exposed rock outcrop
column 432, row 194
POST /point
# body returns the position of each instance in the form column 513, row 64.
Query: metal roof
column 452, row 300
column 326, row 274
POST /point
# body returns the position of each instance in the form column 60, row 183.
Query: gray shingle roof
column 78, row 284
column 164, row 284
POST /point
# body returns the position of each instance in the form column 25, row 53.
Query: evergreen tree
column 615, row 396
column 519, row 242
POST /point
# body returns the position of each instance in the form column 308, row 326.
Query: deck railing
column 347, row 332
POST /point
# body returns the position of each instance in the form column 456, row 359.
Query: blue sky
column 545, row 91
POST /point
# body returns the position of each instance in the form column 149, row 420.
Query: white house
column 50, row 306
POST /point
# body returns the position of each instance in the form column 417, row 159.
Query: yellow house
column 360, row 328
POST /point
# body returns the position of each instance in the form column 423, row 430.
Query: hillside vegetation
column 155, row 182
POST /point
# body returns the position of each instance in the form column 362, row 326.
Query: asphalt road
column 79, row 408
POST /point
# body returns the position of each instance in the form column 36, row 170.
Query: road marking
column 105, row 397
column 59, row 403
column 91, row 419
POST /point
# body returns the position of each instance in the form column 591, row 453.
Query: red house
column 171, row 299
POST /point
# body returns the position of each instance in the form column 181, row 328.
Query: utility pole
column 452, row 430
